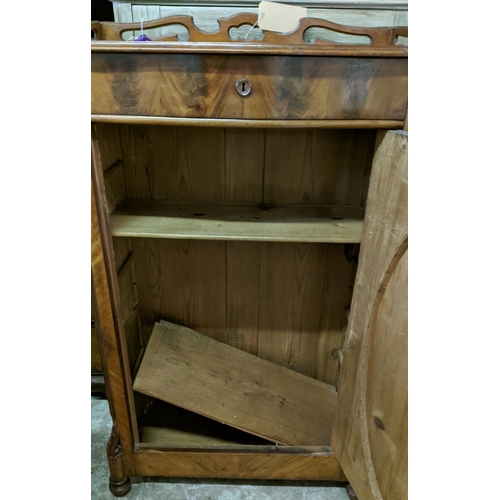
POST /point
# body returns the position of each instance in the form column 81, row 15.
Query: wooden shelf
column 243, row 222
column 251, row 123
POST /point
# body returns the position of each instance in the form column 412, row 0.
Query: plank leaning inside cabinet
column 253, row 196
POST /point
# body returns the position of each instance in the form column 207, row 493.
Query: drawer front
column 282, row 87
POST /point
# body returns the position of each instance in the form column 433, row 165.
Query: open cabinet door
column 370, row 432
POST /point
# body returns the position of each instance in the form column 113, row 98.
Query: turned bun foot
column 119, row 483
column 119, row 488
column 350, row 493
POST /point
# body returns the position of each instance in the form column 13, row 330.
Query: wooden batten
column 195, row 372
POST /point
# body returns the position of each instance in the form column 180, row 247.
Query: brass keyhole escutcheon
column 244, row 87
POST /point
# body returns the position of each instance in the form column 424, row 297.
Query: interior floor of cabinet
column 166, row 425
column 194, row 489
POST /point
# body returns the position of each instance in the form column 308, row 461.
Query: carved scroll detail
column 379, row 37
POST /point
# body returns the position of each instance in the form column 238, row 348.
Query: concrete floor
column 152, row 488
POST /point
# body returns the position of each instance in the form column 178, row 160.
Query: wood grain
column 280, row 167
column 265, row 464
column 387, row 375
column 108, row 137
column 247, row 124
column 370, row 428
column 112, row 47
column 244, row 164
column 283, row 88
column 168, row 426
column 243, row 263
column 174, row 163
column 117, row 390
column 184, row 282
column 291, row 290
column 193, row 371
column 337, row 292
column 317, row 166
column 379, row 36
column 216, row 289
column 161, row 219
column 95, row 353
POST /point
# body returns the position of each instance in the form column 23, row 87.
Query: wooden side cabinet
column 255, row 192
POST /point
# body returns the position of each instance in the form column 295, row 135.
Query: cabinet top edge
column 100, row 46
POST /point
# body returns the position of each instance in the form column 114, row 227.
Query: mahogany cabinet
column 255, row 192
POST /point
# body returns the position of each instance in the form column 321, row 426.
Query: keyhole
column 243, row 87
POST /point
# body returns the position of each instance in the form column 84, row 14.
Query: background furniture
column 364, row 14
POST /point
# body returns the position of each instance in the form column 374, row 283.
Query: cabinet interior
column 181, row 203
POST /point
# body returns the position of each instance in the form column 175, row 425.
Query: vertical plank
column 108, row 136
column 244, row 165
column 128, row 290
column 244, row 184
column 298, row 167
column 161, row 147
column 183, row 282
column 243, row 283
column 291, row 290
column 353, row 154
column 135, row 153
column 122, row 247
column 123, row 13
column 317, row 166
column 114, row 180
column 198, row 173
column 336, row 297
column 400, row 18
column 149, row 282
column 176, row 163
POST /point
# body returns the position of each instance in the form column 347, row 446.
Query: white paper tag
column 280, row 17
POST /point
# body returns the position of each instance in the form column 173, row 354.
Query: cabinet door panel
column 370, row 434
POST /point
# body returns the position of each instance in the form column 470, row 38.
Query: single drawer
column 271, row 87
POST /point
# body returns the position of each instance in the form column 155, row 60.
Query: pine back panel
column 285, row 302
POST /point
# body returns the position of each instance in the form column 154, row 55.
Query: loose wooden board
column 193, row 371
